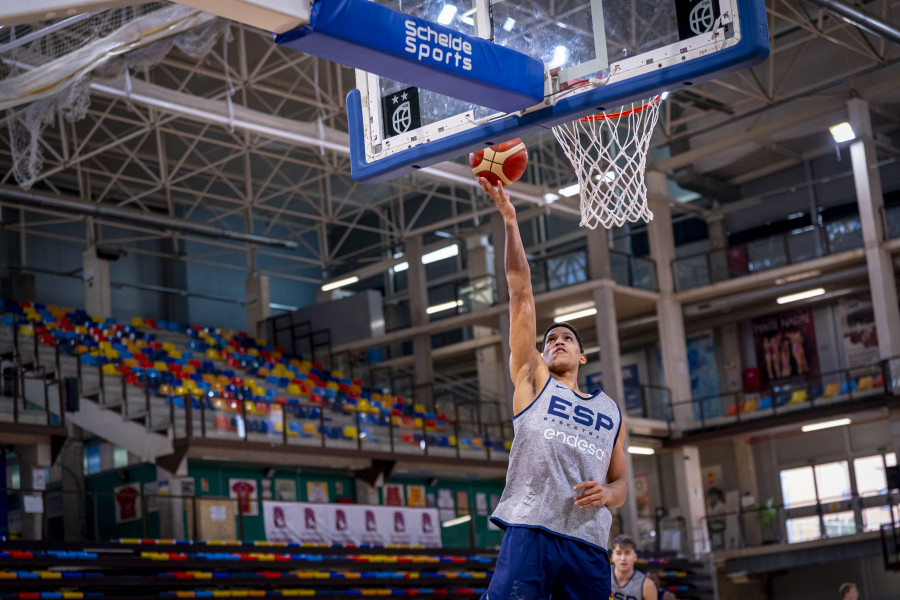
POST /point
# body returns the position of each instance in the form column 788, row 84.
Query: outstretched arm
column 526, row 367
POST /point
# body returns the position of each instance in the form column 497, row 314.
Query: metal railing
column 559, row 270
column 801, row 245
column 647, row 401
column 55, row 514
column 826, row 389
column 633, row 271
column 775, row 523
column 890, row 221
column 19, row 406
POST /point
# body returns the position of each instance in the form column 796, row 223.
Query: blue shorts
column 536, row 565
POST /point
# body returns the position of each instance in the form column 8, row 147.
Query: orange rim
column 623, row 113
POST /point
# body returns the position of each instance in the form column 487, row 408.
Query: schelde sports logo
column 429, row 45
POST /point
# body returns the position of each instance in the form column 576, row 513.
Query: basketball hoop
column 610, row 166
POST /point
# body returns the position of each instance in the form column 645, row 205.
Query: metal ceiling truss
column 158, row 161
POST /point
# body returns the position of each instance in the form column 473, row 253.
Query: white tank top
column 561, row 439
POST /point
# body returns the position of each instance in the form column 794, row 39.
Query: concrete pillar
column 107, row 456
column 894, row 417
column 33, row 459
column 418, row 302
column 505, row 378
column 172, row 519
column 95, row 274
column 730, row 337
column 256, row 302
column 718, row 244
column 489, row 359
column 671, row 319
column 611, row 367
column 691, row 501
column 599, row 266
column 498, row 239
column 71, row 461
column 870, row 197
column 749, row 487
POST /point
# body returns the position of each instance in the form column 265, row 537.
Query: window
column 120, row 457
column 798, row 487
column 91, row 459
column 870, row 477
column 803, row 529
column 828, row 489
column 833, row 481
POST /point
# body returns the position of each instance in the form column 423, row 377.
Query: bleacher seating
column 233, row 385
column 687, row 579
column 184, row 569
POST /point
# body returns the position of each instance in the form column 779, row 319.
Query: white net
column 46, row 69
column 609, row 154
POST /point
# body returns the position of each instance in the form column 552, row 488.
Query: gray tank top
column 561, row 439
column 633, row 590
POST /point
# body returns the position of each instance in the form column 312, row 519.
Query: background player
column 628, row 584
column 566, row 464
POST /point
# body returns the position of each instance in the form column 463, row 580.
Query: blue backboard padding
column 374, row 38
column 752, row 49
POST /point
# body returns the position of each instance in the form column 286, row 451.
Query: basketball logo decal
column 400, row 112
column 702, row 18
column 696, row 17
column 401, row 120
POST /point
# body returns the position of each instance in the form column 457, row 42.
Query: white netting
column 609, row 154
column 46, row 71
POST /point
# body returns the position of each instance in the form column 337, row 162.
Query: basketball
column 504, row 162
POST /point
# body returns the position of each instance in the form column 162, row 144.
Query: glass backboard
column 597, row 56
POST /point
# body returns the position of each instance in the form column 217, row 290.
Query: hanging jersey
column 561, row 439
column 632, row 590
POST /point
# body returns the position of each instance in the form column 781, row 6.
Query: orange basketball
column 504, row 162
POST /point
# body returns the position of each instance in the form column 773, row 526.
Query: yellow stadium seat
column 865, row 383
column 137, row 322
column 350, row 433
column 832, row 389
column 310, row 428
column 750, row 406
column 798, row 396
column 110, row 369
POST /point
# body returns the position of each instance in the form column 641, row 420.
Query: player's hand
column 500, row 198
column 592, row 493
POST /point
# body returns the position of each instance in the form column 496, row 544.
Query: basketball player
column 628, row 584
column 849, row 591
column 566, row 464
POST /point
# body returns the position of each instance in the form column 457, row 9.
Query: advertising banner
column 860, row 337
column 786, row 345
column 343, row 524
